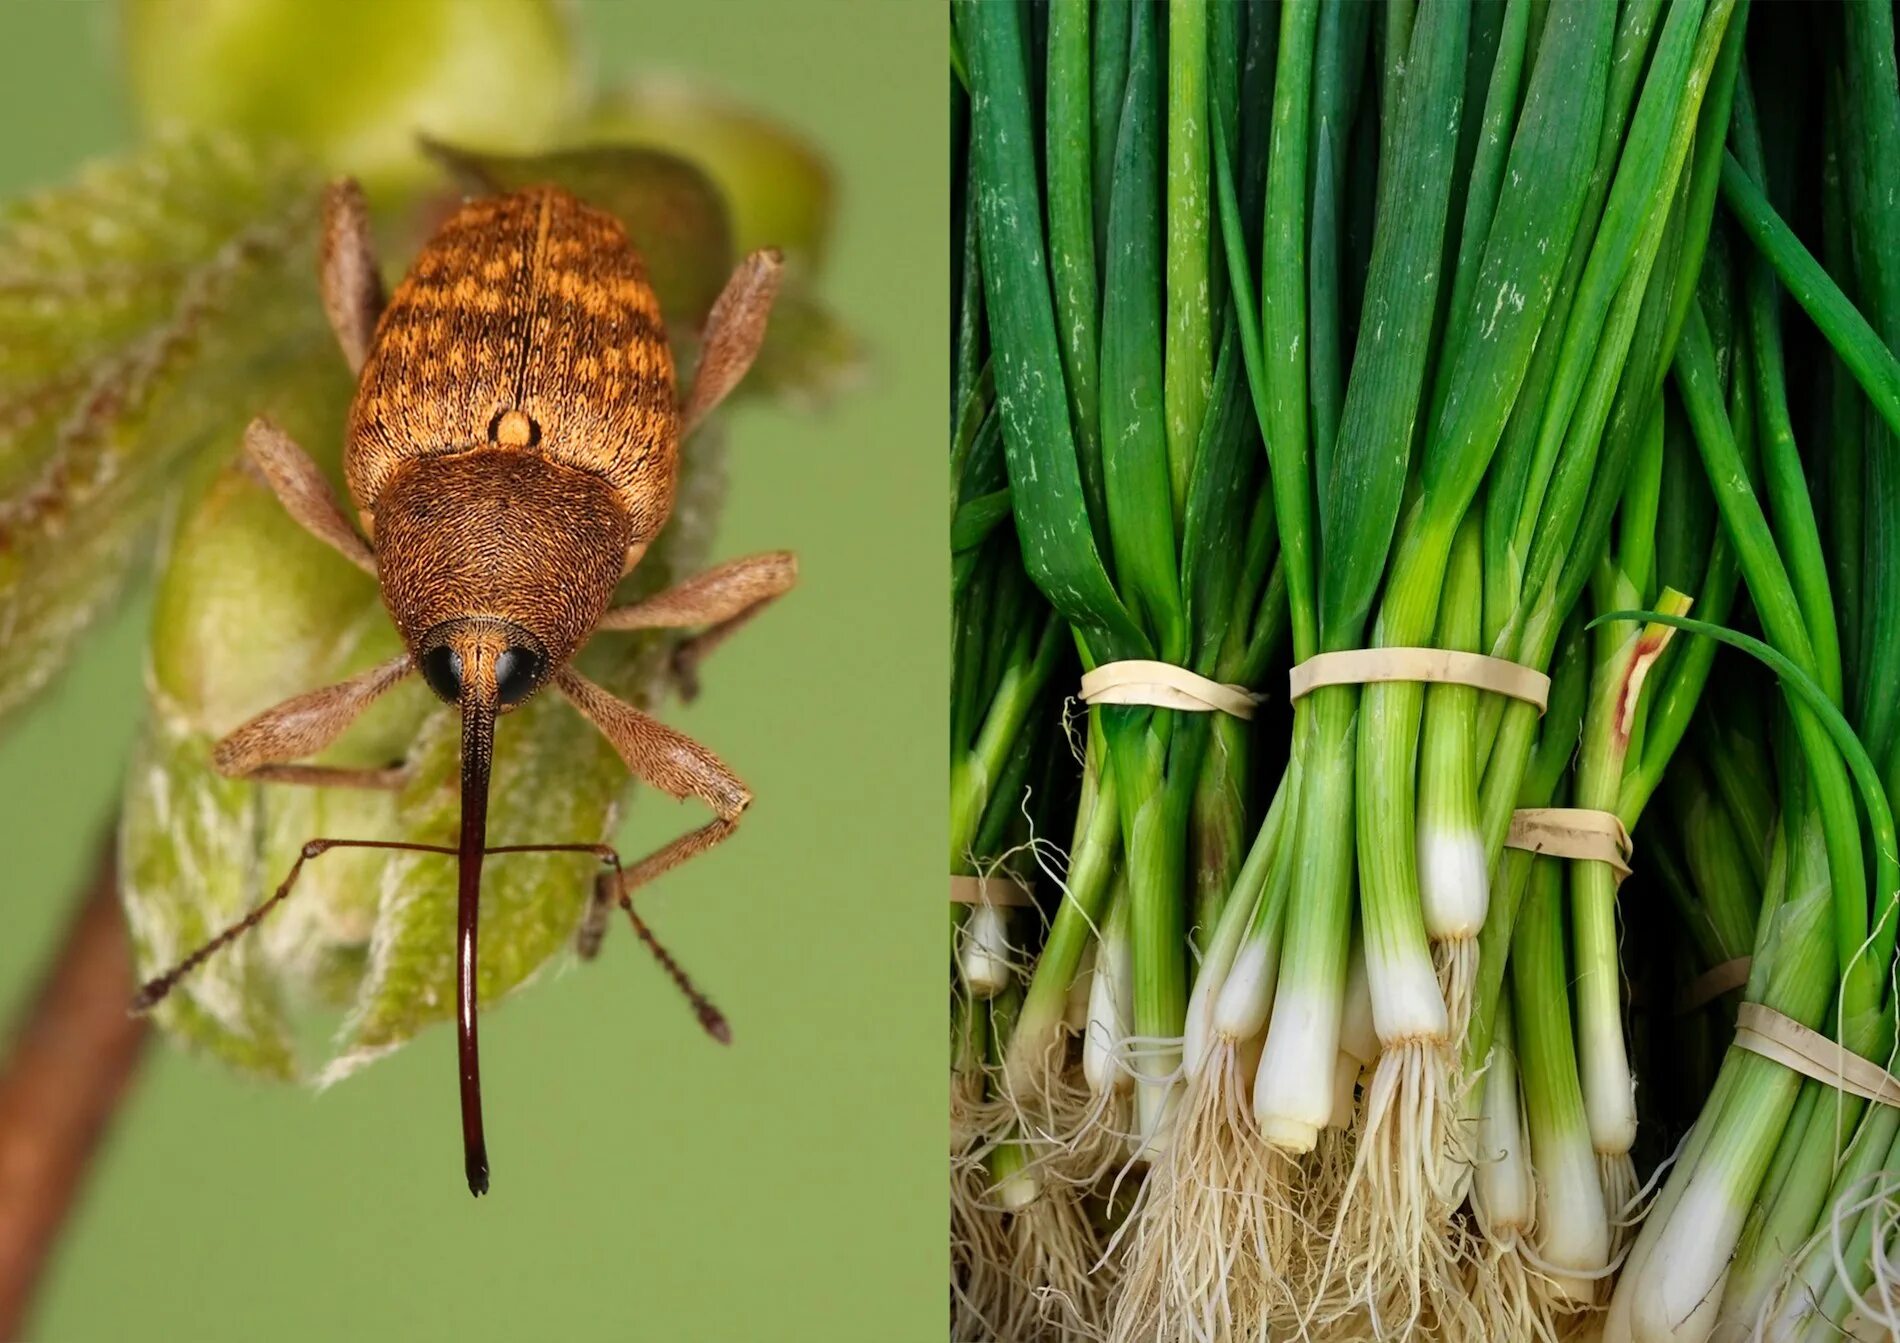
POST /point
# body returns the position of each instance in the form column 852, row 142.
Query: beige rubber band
column 1165, row 686
column 1712, row 983
column 1572, row 832
column 1004, row 892
column 1762, row 1030
column 1359, row 666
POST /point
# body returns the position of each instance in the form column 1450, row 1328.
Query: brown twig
column 68, row 1067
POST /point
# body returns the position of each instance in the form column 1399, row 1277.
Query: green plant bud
column 355, row 83
column 137, row 304
column 777, row 186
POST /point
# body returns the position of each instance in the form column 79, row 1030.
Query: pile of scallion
column 1558, row 338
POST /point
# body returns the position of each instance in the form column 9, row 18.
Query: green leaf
column 1052, row 518
column 136, row 306
column 1142, row 507
column 674, row 213
column 976, row 519
column 1359, row 503
column 188, row 867
column 809, row 356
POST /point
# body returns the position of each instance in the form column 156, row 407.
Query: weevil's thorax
column 499, row 535
column 526, row 325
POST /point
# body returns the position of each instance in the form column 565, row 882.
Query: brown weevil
column 512, row 451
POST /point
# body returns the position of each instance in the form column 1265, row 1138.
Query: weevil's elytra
column 513, row 449
column 525, row 311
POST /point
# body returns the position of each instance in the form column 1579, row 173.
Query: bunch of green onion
column 1452, row 324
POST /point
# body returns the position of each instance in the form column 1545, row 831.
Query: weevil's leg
column 262, row 748
column 724, row 591
column 668, row 760
column 304, row 492
column 155, row 989
column 387, row 779
column 594, row 926
column 735, row 328
column 351, row 281
column 723, row 598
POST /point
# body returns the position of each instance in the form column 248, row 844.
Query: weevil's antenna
column 478, row 744
column 154, row 991
column 711, row 1019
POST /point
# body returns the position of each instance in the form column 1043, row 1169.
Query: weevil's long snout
column 478, row 652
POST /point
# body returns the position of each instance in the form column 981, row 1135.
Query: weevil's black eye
column 517, row 671
column 442, row 669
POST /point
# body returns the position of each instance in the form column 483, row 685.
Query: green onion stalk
column 1626, row 746
column 1013, row 1248
column 1805, row 1134
column 1599, row 413
column 1036, row 1059
column 1206, row 1190
column 1615, row 746
column 1239, row 70
column 1637, row 706
column 1404, row 1205
column 1154, row 487
column 1573, row 1229
column 1671, row 1284
column 1133, row 480
column 1165, row 546
column 1600, row 322
column 1038, row 1053
column 1515, row 1079
column 1806, row 1259
column 1006, row 648
column 1610, row 464
column 1486, row 350
column 1824, row 972
column 1832, row 1285
column 1453, row 882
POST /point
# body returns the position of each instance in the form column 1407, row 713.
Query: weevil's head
column 484, row 660
column 496, row 567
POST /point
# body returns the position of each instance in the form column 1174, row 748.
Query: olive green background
column 647, row 1183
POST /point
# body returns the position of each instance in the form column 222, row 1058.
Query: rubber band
column 1003, row 892
column 1572, row 832
column 1361, row 666
column 1712, row 983
column 1762, row 1030
column 1165, row 686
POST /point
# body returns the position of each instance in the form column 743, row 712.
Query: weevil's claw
column 685, row 668
column 593, row 925
column 476, row 1161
